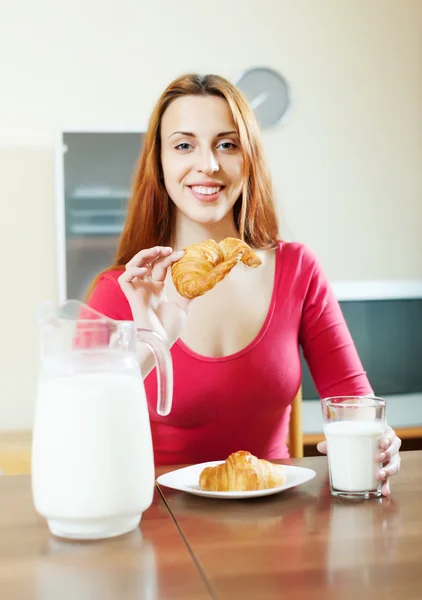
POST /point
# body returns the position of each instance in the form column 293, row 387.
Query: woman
column 202, row 175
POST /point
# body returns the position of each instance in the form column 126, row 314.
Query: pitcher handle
column 162, row 356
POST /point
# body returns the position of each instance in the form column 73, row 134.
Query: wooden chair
column 15, row 453
column 295, row 442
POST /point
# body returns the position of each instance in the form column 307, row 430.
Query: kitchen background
column 78, row 85
column 93, row 174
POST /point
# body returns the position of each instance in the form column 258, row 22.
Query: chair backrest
column 295, row 442
column 15, row 463
column 15, row 452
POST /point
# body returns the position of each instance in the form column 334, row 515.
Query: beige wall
column 346, row 164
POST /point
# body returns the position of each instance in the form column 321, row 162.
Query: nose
column 207, row 162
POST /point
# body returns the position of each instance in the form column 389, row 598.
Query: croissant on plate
column 242, row 472
column 207, row 263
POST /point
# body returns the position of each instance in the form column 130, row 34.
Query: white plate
column 186, row 480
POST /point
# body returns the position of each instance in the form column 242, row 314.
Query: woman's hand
column 142, row 282
column 389, row 458
column 388, row 455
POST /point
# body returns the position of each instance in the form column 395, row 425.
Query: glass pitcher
column 92, row 457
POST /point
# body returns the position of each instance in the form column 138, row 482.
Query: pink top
column 243, row 401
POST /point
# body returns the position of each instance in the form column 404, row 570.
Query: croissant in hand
column 207, row 263
column 242, row 472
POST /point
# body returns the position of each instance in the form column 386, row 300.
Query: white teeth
column 200, row 189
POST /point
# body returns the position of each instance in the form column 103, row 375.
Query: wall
column 346, row 164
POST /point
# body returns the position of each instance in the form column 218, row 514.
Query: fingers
column 387, row 453
column 149, row 255
column 385, row 488
column 389, row 445
column 160, row 258
column 388, row 438
column 159, row 269
column 137, row 279
column 392, row 468
column 322, row 447
column 132, row 272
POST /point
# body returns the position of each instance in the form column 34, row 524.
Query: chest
column 230, row 316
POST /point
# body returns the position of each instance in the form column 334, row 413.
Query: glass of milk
column 353, row 427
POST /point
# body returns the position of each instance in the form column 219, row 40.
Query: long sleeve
column 327, row 344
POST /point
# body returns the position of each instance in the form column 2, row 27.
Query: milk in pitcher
column 93, row 465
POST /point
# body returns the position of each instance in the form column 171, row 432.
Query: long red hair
column 149, row 217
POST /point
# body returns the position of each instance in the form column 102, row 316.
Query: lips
column 206, row 190
column 206, row 193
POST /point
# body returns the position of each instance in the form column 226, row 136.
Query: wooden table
column 300, row 545
column 149, row 564
column 305, row 544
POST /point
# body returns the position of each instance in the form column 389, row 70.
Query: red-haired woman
column 202, row 175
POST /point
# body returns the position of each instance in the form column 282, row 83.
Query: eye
column 183, row 147
column 227, row 146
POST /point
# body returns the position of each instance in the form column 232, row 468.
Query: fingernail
column 382, row 456
column 386, row 442
column 383, row 474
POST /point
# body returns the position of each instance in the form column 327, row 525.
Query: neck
column 187, row 232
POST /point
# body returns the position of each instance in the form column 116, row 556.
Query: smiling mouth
column 206, row 190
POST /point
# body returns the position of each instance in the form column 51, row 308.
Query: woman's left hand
column 388, row 456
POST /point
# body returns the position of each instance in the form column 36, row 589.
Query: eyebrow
column 190, row 134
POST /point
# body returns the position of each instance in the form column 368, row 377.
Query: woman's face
column 201, row 157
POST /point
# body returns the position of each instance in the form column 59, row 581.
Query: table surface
column 299, row 544
column 306, row 544
column 150, row 563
